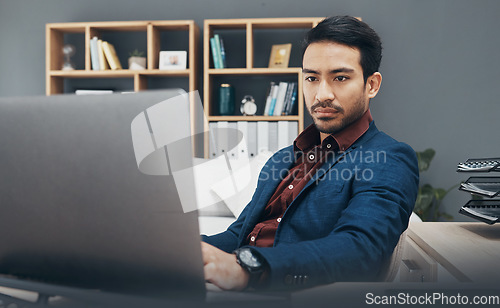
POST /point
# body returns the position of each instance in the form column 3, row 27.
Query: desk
column 470, row 252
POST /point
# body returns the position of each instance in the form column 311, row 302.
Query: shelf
column 265, row 23
column 118, row 73
column 247, row 38
column 253, row 118
column 148, row 34
column 255, row 71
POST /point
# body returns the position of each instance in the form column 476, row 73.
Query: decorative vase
column 137, row 63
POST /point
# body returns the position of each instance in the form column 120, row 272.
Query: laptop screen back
column 75, row 208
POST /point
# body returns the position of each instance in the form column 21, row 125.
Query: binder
column 273, row 136
column 262, row 136
column 232, row 140
column 293, row 131
column 212, row 140
column 242, row 126
column 222, row 137
column 252, row 139
column 283, row 131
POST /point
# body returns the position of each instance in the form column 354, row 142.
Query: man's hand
column 222, row 269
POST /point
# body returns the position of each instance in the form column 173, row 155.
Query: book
column 292, row 107
column 103, row 63
column 219, row 53
column 94, row 55
column 268, row 98
column 274, row 95
column 288, row 98
column 280, row 99
column 223, row 53
column 110, row 52
column 215, row 57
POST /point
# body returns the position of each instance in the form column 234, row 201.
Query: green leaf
column 440, row 193
column 425, row 158
column 425, row 198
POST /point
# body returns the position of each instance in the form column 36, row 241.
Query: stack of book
column 487, row 211
column 281, row 99
column 218, row 51
column 103, row 55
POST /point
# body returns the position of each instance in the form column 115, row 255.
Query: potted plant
column 429, row 198
column 136, row 61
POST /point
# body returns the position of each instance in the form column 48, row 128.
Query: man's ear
column 373, row 84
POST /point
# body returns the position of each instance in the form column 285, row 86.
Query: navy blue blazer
column 345, row 222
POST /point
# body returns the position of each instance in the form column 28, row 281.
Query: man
column 332, row 206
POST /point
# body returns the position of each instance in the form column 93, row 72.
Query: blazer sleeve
column 228, row 240
column 363, row 237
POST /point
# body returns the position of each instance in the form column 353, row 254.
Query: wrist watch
column 248, row 106
column 251, row 262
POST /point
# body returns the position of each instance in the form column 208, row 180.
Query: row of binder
column 259, row 136
column 485, row 210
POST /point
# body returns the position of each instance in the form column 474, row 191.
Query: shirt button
column 278, row 220
column 252, row 239
column 290, row 186
column 311, row 156
column 328, row 146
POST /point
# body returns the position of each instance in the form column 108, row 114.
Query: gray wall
column 439, row 69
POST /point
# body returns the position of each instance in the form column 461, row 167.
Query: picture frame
column 173, row 60
column 280, row 55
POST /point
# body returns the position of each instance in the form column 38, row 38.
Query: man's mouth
column 322, row 112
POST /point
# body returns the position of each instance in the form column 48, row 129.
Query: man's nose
column 325, row 92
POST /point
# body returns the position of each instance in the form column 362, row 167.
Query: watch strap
column 254, row 273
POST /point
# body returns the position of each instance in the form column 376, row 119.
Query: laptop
column 77, row 211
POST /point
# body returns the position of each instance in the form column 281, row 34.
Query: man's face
column 334, row 89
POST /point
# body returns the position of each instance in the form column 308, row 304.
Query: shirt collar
column 341, row 140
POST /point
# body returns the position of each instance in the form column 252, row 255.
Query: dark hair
column 352, row 32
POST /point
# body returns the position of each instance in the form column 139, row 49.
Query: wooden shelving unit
column 55, row 40
column 249, row 26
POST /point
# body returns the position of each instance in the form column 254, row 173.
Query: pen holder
column 226, row 99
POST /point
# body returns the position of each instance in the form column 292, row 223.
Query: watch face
column 248, row 258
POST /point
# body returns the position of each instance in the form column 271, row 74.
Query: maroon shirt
column 311, row 153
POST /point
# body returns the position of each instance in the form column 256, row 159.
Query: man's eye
column 310, row 78
column 341, row 78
